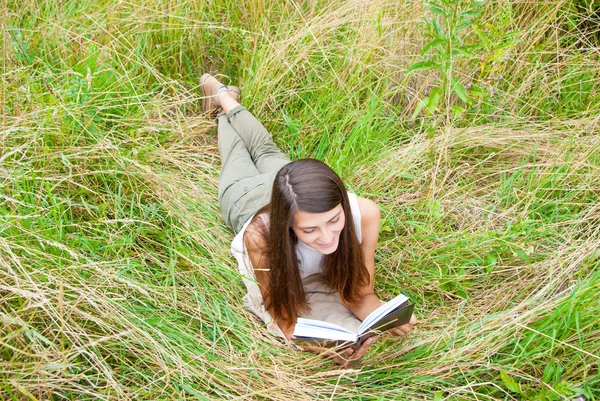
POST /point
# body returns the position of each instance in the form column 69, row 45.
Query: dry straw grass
column 115, row 275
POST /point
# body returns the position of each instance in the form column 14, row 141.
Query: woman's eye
column 308, row 231
column 335, row 220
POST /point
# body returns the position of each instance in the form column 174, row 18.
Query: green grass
column 116, row 280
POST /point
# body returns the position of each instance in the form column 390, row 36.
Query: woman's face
column 320, row 231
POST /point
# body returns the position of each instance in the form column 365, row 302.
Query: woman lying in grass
column 293, row 220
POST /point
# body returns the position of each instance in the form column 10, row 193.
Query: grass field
column 474, row 126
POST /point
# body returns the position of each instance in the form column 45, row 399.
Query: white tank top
column 310, row 261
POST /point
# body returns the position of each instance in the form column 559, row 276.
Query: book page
column 395, row 318
column 381, row 312
column 302, row 322
column 309, row 328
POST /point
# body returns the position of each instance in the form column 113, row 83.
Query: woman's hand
column 403, row 330
column 347, row 357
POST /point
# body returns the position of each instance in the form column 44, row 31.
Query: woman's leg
column 249, row 157
column 267, row 157
column 236, row 163
column 238, row 176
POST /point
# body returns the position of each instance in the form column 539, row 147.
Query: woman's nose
column 326, row 237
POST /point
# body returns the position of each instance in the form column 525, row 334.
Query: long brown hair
column 310, row 186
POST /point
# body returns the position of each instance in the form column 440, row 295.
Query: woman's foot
column 211, row 88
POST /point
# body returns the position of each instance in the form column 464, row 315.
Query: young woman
column 295, row 222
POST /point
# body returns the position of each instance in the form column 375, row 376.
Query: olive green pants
column 249, row 162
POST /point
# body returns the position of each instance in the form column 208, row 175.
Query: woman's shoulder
column 369, row 210
column 256, row 246
column 256, row 233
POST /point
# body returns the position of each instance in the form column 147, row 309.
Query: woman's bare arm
column 370, row 216
column 370, row 225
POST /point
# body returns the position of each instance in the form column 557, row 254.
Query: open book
column 393, row 313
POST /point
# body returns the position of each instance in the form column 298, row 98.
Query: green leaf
column 548, row 372
column 476, row 91
column 421, row 65
column 559, row 371
column 470, row 13
column 436, row 10
column 446, row 285
column 509, row 43
column 464, row 50
column 523, row 255
column 460, row 90
column 461, row 291
column 420, row 105
column 510, row 383
column 464, row 25
column 445, row 66
column 436, row 208
column 491, row 259
column 434, row 99
column 482, row 35
column 433, row 43
column 458, row 111
column 438, row 396
column 438, row 29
